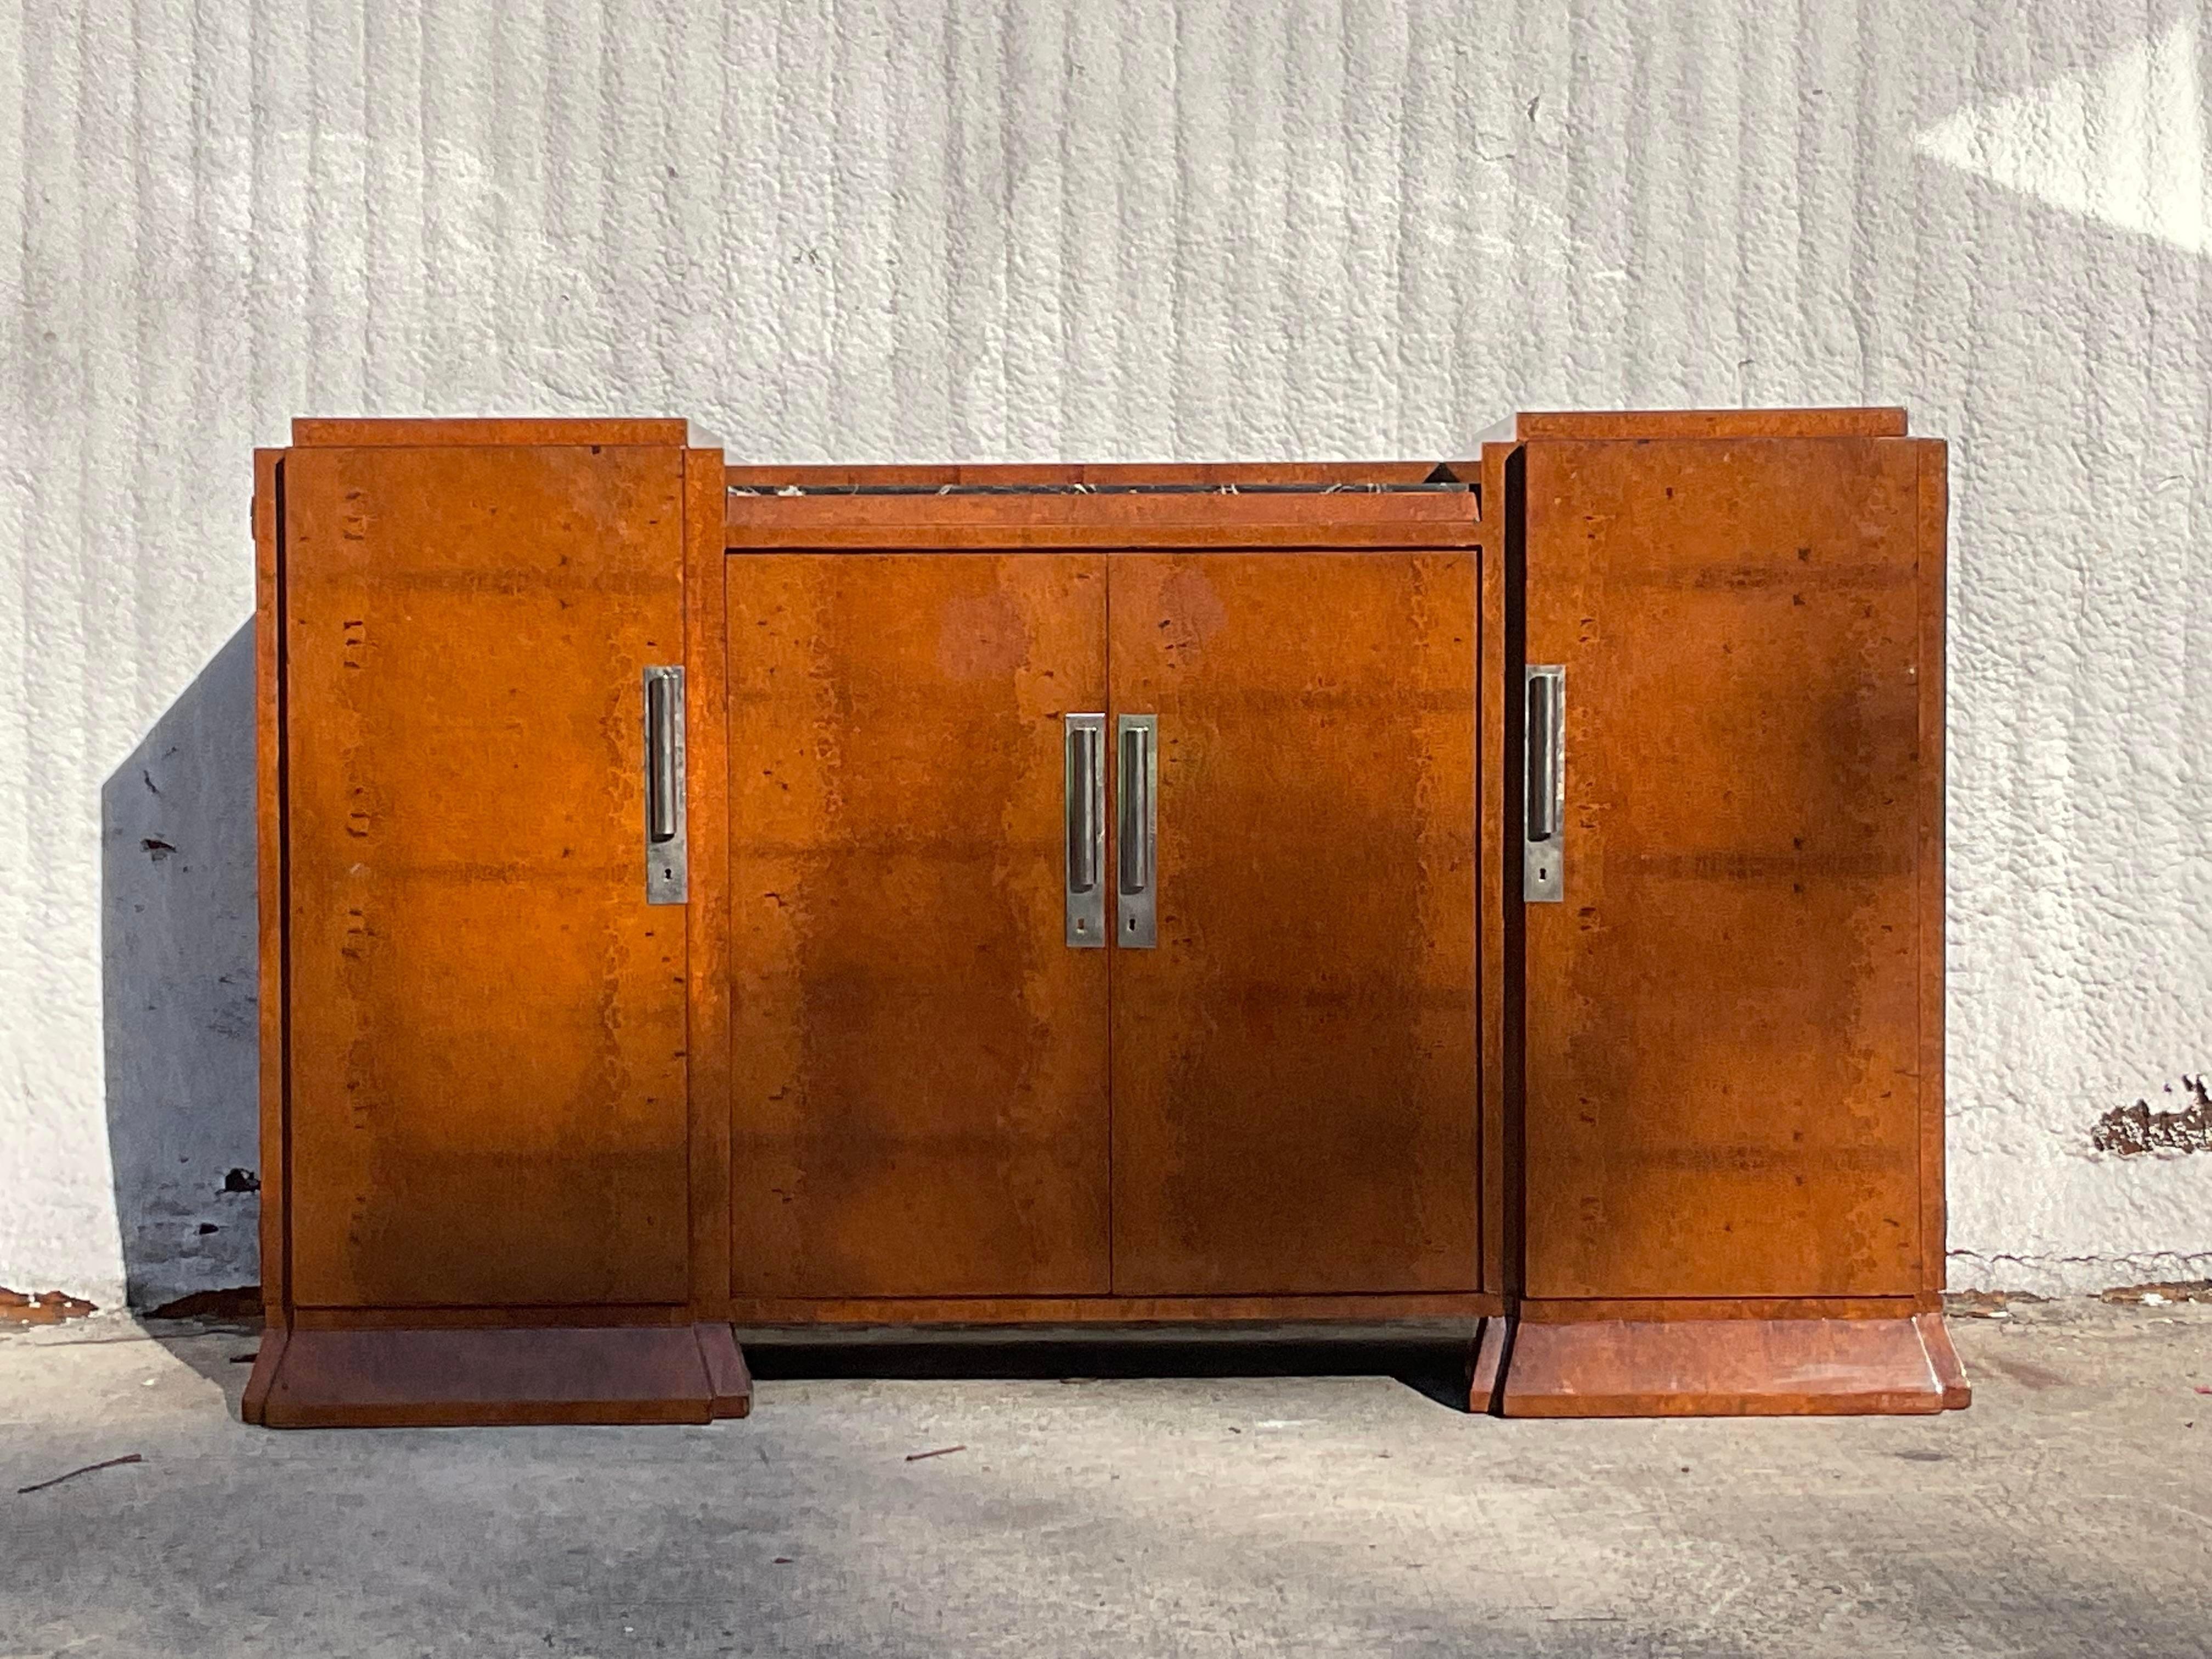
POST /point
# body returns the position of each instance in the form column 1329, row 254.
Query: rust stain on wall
column 2130, row 1130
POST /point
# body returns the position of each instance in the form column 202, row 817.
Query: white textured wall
column 877, row 231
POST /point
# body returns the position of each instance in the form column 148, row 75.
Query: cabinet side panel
column 269, row 822
column 1500, row 1186
column 1723, row 1016
column 1935, row 503
column 488, row 1072
column 707, row 711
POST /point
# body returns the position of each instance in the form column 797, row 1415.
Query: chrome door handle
column 667, row 866
column 1136, row 789
column 1543, row 822
column 1086, row 825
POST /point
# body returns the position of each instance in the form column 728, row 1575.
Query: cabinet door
column 486, row 1016
column 1722, row 1010
column 1294, row 1060
column 919, row 1057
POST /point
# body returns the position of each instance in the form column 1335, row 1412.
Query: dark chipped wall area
column 2129, row 1130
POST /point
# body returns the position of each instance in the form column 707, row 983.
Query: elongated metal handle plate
column 1543, row 836
column 667, row 866
column 1137, row 791
column 1086, row 831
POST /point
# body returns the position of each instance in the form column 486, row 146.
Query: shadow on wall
column 179, row 988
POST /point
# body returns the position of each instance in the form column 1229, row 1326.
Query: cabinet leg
column 729, row 1380
column 1488, row 1358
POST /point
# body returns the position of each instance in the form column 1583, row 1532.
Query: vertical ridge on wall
column 869, row 229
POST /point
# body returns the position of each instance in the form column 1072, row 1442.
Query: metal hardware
column 667, row 867
column 1543, row 836
column 1137, row 789
column 1087, row 831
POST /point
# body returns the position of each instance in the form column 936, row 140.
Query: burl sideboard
column 1506, row 890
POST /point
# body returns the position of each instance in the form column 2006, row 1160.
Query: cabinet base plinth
column 1723, row 1367
column 417, row 1378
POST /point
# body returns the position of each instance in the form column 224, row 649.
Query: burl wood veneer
column 892, row 1001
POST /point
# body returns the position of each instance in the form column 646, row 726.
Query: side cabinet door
column 1723, row 1006
column 919, row 1053
column 486, row 1017
column 1294, row 1056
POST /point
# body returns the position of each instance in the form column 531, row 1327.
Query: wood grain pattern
column 274, row 989
column 1498, row 926
column 1108, row 1309
column 488, row 1020
column 919, row 1061
column 997, row 523
column 706, row 915
column 1958, row 1392
column 1934, row 503
column 1721, row 1368
column 1487, row 1363
column 253, row 1403
column 1722, row 1019
column 1657, row 423
column 362, row 433
column 1294, row 1066
column 1107, row 472
column 1648, row 1310
column 516, row 1316
column 500, row 1378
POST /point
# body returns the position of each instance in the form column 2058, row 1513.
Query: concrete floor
column 2069, row 1511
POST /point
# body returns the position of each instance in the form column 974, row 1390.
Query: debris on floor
column 112, row 1462
column 2158, row 1295
column 1987, row 1304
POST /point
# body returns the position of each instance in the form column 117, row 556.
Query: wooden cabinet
column 1724, row 680
column 482, row 1130
column 696, row 894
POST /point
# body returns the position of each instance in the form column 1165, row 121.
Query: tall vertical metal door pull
column 1138, row 788
column 1543, row 827
column 1085, row 743
column 667, row 864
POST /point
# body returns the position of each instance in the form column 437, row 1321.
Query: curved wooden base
column 455, row 1378
column 1717, row 1366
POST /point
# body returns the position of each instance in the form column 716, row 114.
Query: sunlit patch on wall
column 2121, row 141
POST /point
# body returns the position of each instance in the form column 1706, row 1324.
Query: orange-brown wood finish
column 1647, row 424
column 1674, row 1146
column 707, row 913
column 274, row 1001
column 475, row 1028
column 1294, row 1090
column 1319, row 474
column 1110, row 1309
column 1722, row 1103
column 363, row 433
column 355, row 1378
column 1208, row 519
column 918, row 1060
column 465, row 633
column 1723, row 1018
column 1721, row 1368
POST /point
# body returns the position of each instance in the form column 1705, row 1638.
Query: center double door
column 937, row 1095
